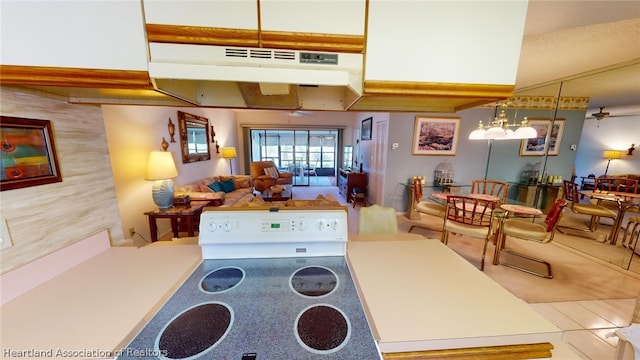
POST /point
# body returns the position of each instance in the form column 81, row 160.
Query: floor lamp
column 610, row 155
column 229, row 153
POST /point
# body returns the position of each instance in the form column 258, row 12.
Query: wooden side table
column 190, row 215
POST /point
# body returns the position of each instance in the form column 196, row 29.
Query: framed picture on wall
column 365, row 132
column 28, row 156
column 556, row 137
column 538, row 146
column 435, row 136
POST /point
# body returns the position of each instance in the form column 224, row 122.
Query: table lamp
column 610, row 155
column 229, row 153
column 161, row 169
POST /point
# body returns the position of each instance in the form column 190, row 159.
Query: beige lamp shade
column 611, row 154
column 160, row 166
column 229, row 153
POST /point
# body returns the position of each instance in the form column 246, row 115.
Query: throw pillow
column 206, row 188
column 215, row 186
column 272, row 172
column 227, row 186
column 242, row 182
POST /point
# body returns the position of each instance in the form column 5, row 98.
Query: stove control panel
column 297, row 232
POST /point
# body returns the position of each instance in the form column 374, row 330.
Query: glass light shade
column 525, row 132
column 478, row 133
column 508, row 135
column 495, row 132
column 160, row 166
column 611, row 154
column 229, row 153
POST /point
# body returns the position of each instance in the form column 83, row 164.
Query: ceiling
column 590, row 48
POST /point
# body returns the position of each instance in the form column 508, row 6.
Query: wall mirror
column 194, row 137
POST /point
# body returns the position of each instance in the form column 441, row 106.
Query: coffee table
column 285, row 195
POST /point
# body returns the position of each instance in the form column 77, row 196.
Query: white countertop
column 418, row 293
column 98, row 303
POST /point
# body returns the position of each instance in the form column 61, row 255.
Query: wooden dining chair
column 571, row 195
column 427, row 207
column 470, row 217
column 527, row 230
column 491, row 187
column 614, row 184
column 435, row 210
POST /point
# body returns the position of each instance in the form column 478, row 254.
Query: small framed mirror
column 194, row 137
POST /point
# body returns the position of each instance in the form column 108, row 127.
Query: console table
column 546, row 195
column 348, row 180
column 189, row 215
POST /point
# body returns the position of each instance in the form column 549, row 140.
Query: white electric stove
column 272, row 285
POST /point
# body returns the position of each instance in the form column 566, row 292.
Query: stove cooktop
column 271, row 308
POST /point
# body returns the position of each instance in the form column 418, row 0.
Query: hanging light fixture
column 499, row 129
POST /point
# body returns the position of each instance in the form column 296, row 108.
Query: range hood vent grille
column 259, row 54
column 244, row 77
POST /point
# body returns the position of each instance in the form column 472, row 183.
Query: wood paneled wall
column 46, row 218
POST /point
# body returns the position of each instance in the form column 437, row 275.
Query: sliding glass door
column 309, row 154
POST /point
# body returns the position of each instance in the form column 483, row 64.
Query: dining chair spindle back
column 491, row 187
column 471, row 217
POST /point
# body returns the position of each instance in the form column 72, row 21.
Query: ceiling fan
column 601, row 114
column 605, row 114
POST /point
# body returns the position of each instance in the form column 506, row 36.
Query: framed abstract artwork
column 28, row 154
column 435, row 136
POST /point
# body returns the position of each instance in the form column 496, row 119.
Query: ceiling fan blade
column 297, row 113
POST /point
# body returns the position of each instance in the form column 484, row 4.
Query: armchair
column 262, row 181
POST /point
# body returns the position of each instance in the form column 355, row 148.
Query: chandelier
column 499, row 129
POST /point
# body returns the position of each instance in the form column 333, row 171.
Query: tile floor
column 586, row 324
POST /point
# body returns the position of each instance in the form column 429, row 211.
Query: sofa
column 321, row 201
column 212, row 189
column 262, row 179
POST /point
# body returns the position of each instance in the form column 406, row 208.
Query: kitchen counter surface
column 418, row 293
column 95, row 305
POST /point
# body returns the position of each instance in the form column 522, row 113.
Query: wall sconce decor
column 172, row 130
column 214, row 141
column 164, row 144
column 630, row 149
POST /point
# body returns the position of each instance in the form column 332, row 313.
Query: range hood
column 259, row 78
